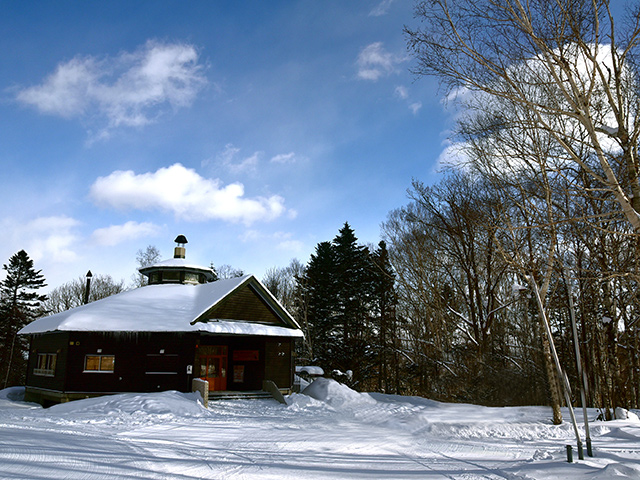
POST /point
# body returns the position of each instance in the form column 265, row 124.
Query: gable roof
column 178, row 308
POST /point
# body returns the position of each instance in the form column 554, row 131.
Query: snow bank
column 336, row 394
column 330, row 431
column 624, row 414
column 429, row 418
column 14, row 397
column 14, row 394
column 167, row 404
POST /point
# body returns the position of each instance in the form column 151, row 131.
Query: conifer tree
column 339, row 288
column 318, row 282
column 385, row 301
column 354, row 294
column 19, row 303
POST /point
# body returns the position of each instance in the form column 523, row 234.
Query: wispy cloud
column 45, row 237
column 285, row 158
column 116, row 234
column 374, row 62
column 381, row 9
column 186, row 194
column 283, row 241
column 131, row 89
column 415, row 107
column 401, row 92
column 235, row 163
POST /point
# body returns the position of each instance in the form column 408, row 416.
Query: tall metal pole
column 581, row 374
column 561, row 375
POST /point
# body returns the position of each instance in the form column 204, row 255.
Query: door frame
column 217, row 382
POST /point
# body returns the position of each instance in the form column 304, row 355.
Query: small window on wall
column 46, row 365
column 99, row 363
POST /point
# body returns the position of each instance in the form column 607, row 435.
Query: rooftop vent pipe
column 180, row 251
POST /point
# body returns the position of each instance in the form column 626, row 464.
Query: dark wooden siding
column 148, row 362
column 245, row 304
column 144, row 362
column 56, row 342
column 279, row 361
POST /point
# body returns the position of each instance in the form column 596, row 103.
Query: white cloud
column 127, row 90
column 230, row 159
column 249, row 163
column 49, row 238
column 289, row 158
column 381, row 9
column 453, row 155
column 115, row 234
column 186, row 194
column 401, row 92
column 374, row 62
column 228, row 154
column 284, row 158
column 415, row 107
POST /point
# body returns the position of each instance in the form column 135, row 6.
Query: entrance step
column 232, row 395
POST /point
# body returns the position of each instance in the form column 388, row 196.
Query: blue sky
column 256, row 129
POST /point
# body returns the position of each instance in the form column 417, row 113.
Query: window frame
column 100, row 364
column 46, row 365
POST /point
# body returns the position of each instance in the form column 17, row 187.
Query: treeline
column 470, row 258
column 446, row 307
column 537, row 223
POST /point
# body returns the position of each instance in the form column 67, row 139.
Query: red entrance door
column 213, row 368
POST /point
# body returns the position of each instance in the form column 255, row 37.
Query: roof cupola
column 176, row 269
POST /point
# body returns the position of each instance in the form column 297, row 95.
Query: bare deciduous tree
column 568, row 63
column 71, row 294
column 144, row 258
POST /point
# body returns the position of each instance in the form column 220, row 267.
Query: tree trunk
column 552, row 378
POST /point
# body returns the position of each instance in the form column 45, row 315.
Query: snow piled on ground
column 329, row 431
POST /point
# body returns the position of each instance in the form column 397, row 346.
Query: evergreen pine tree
column 354, row 293
column 385, row 303
column 350, row 310
column 19, row 304
column 319, row 285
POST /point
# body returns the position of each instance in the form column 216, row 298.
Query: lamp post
column 87, row 287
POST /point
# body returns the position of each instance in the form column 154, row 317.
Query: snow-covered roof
column 160, row 308
column 175, row 262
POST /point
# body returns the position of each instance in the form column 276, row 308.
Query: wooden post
column 202, row 386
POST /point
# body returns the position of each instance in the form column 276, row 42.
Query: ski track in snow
column 340, row 434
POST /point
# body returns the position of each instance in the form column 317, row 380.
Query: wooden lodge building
column 182, row 325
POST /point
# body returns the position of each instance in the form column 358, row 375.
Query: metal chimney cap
column 181, row 240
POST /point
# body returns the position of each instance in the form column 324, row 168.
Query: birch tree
column 569, row 63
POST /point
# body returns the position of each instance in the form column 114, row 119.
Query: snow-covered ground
column 339, row 434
